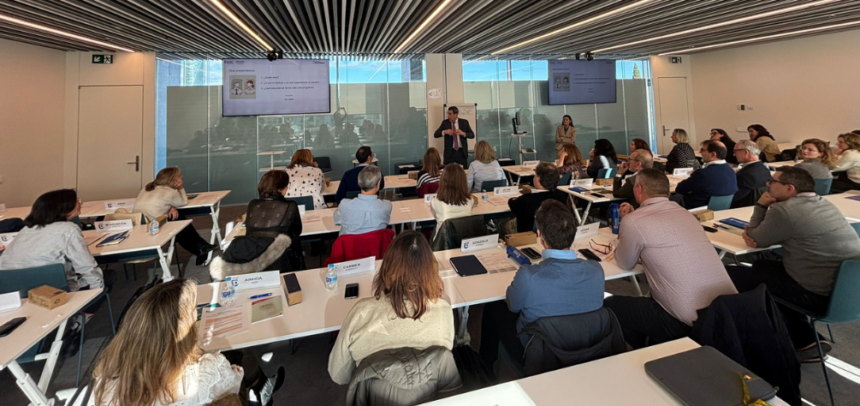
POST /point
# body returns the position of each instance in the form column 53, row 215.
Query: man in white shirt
column 365, row 213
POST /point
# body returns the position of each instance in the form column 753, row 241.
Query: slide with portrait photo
column 285, row 86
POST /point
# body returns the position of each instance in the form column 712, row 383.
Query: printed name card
column 582, row 182
column 302, row 210
column 5, row 239
column 586, row 231
column 682, row 171
column 355, row 267
column 114, row 225
column 428, row 197
column 268, row 279
column 2, row 207
column 506, row 190
column 479, row 243
column 113, row 205
column 10, row 301
column 529, row 164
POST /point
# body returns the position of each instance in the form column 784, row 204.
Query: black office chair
column 352, row 194
column 307, row 201
column 324, row 163
column 490, row 185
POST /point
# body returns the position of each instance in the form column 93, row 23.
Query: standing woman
column 718, row 134
column 565, row 133
column 601, row 157
column 849, row 162
column 682, row 154
column 766, row 143
column 453, row 199
column 428, row 176
column 570, row 161
column 818, row 159
column 162, row 197
column 306, row 179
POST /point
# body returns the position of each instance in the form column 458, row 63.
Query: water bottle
column 485, row 197
column 154, row 227
column 228, row 292
column 331, row 278
column 614, row 218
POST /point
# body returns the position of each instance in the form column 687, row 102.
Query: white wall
column 798, row 88
column 31, row 121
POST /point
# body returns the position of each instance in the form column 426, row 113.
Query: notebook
column 735, row 222
column 579, row 189
column 706, row 377
column 468, row 265
column 113, row 239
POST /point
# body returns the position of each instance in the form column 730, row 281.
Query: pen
column 261, row 296
column 720, row 226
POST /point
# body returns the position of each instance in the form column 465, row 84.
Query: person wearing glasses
column 456, row 131
column 818, row 159
column 562, row 284
column 718, row 134
column 640, row 159
column 716, row 178
column 815, row 238
column 683, row 268
column 752, row 175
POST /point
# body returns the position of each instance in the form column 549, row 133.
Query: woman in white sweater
column 408, row 309
column 161, row 197
column 453, row 199
column 849, row 162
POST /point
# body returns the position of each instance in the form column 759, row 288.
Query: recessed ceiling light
column 767, row 37
column 423, row 25
column 722, row 24
column 576, row 25
column 61, row 33
column 241, row 24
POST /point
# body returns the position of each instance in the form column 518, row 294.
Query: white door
column 110, row 137
column 673, row 111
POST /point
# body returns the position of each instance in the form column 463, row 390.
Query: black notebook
column 468, row 265
column 706, row 377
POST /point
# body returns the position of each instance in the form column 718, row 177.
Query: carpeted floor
column 307, row 381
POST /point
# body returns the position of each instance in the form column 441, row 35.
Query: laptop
column 706, row 377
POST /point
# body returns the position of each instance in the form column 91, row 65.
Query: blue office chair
column 822, row 186
column 844, row 307
column 564, row 180
column 606, row 173
column 856, row 227
column 490, row 185
column 720, row 202
column 307, row 201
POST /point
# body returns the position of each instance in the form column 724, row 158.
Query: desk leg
column 271, row 162
column 53, row 356
column 463, row 328
column 166, row 275
column 518, row 180
column 575, row 212
column 721, row 252
column 636, row 284
column 25, row 382
column 586, row 211
column 215, row 234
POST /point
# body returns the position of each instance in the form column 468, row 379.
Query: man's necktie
column 456, row 137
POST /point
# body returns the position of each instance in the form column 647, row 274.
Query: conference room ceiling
column 376, row 28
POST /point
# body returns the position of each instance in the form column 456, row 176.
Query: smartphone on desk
column 590, row 255
column 10, row 326
column 531, row 253
column 351, row 291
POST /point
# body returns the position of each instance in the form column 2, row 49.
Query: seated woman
column 485, row 167
column 161, row 197
column 570, row 161
column 428, row 176
column 718, row 134
column 765, row 141
column 408, row 309
column 682, row 154
column 638, row 143
column 818, row 159
column 272, row 241
column 307, row 178
column 154, row 359
column 602, row 156
column 49, row 237
column 453, row 199
column 849, row 162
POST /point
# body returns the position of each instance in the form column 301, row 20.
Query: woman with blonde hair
column 818, row 159
column 682, row 154
column 306, row 179
column 407, row 305
column 570, row 161
column 485, row 167
column 849, row 162
column 162, row 197
column 453, row 199
column 431, row 169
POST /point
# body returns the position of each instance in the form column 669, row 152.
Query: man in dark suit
column 752, row 176
column 716, row 178
column 349, row 181
column 456, row 131
column 639, row 160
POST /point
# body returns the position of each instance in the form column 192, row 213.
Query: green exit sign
column 108, row 59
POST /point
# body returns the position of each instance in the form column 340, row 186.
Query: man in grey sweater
column 815, row 238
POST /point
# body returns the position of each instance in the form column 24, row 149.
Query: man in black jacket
column 456, row 131
column 524, row 207
column 752, row 175
column 639, row 159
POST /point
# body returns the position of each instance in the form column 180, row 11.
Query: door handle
column 664, row 130
column 136, row 163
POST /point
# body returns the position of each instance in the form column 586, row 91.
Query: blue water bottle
column 614, row 218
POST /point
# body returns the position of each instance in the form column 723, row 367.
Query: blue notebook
column 734, row 222
column 113, row 239
column 579, row 189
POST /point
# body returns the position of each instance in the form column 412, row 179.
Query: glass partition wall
column 374, row 102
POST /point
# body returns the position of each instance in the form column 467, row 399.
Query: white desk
column 139, row 241
column 40, row 322
column 391, row 182
column 15, row 212
column 271, row 155
column 519, row 171
column 727, row 242
column 850, row 208
column 589, row 198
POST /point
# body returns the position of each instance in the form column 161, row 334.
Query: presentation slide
column 258, row 87
column 581, row 82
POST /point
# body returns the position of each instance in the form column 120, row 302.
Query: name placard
column 114, row 225
column 506, row 190
column 428, row 197
column 268, row 279
column 682, row 172
column 582, row 182
column 355, row 267
column 586, row 231
column 113, row 205
column 302, row 210
column 529, row 164
column 479, row 243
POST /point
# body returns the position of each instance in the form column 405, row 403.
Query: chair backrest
column 606, row 173
column 349, row 247
column 844, row 301
column 452, row 232
column 822, row 186
column 490, row 185
column 720, row 202
column 427, row 188
column 324, row 163
column 352, row 194
column 564, row 179
column 307, row 201
column 22, row 280
column 856, row 227
column 136, row 218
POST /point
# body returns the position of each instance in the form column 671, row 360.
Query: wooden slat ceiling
column 375, row 28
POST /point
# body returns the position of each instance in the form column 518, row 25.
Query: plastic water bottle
column 228, row 292
column 154, row 227
column 331, row 278
column 485, row 197
column 615, row 218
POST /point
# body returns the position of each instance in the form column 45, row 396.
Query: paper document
column 311, row 218
column 496, row 261
column 266, row 308
column 224, row 321
column 498, row 200
column 506, row 394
